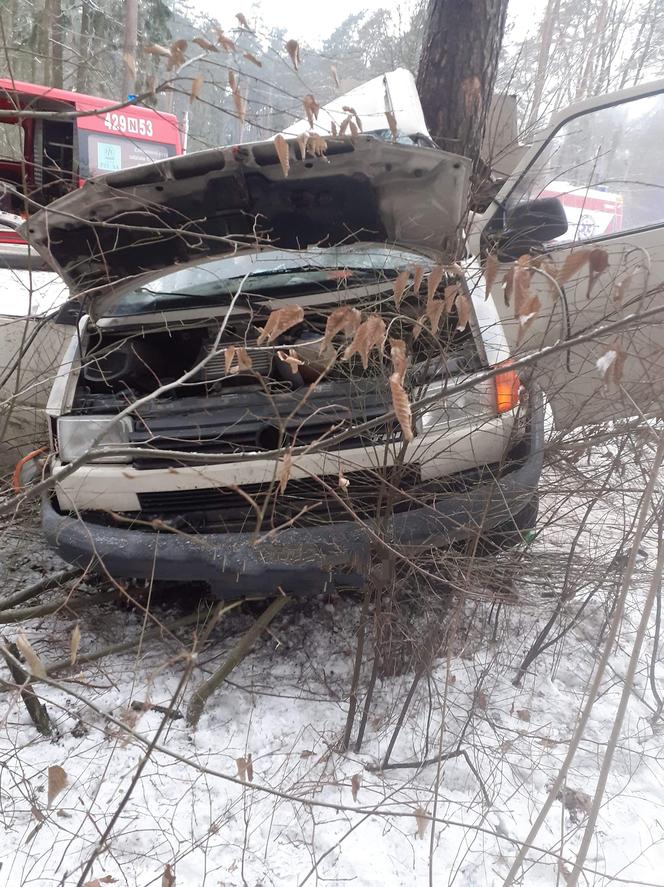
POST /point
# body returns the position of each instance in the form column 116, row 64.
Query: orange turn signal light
column 507, row 390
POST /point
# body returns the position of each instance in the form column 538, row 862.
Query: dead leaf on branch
column 107, row 879
column 333, row 129
column 611, row 364
column 168, row 877
column 422, row 820
column 435, row 277
column 34, row 663
column 490, row 273
column 250, row 57
column 311, row 108
column 225, row 42
column 196, row 86
column 176, row 56
column 344, row 319
column 243, row 21
column 418, row 277
column 401, row 405
column 531, row 310
column 463, row 311
column 369, row 335
column 283, row 153
column 245, row 768
column 74, row 643
column 302, row 140
column 157, row 49
column 523, row 714
column 243, row 360
column 573, row 264
column 400, row 284
column 57, row 780
column 434, row 311
column 392, row 123
column 293, row 50
column 229, row 354
column 205, row 44
column 283, row 475
column 292, row 359
column 355, row 782
column 450, row 293
column 317, row 144
column 400, row 400
column 238, row 98
column 354, row 115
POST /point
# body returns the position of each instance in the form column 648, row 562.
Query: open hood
column 121, row 230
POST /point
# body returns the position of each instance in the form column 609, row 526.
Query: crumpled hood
column 120, row 230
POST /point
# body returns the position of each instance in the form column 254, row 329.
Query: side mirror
column 530, row 225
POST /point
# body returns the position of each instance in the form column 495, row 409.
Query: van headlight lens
column 77, row 433
column 457, row 408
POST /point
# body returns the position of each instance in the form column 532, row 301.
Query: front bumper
column 297, row 560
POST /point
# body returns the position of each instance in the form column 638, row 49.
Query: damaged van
column 284, row 356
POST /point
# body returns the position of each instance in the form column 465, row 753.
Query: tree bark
column 458, row 69
column 546, row 39
column 129, row 47
column 84, row 48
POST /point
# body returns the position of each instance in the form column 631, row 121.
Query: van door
column 600, row 285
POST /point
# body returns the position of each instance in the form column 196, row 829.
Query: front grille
column 252, row 419
column 309, row 500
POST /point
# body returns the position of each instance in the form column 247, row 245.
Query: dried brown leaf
column 418, row 277
column 355, row 783
column 573, row 264
column 205, row 44
column 335, row 75
column 450, row 293
column 344, row 126
column 481, row 700
column 238, row 98
column 523, row 714
column 232, row 80
column 317, row 144
column 168, row 877
column 598, row 260
column 353, row 113
column 229, row 354
column 250, row 57
column 176, row 56
column 344, row 319
column 196, row 86
column 243, row 21
column 292, row 359
column 435, row 277
column 354, row 129
column 57, row 780
column 463, row 311
column 531, row 310
column 435, row 309
column 283, row 153
column 392, row 123
column 34, row 663
column 333, row 128
column 369, row 335
column 98, row 882
column 283, row 475
column 399, row 357
column 293, row 50
column 400, row 284
column 74, row 643
column 508, row 286
column 311, row 108
column 243, row 360
column 302, row 141
column 422, row 820
column 157, row 49
column 225, row 42
column 490, row 273
column 245, row 767
column 401, row 405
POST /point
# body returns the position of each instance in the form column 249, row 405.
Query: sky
column 311, row 21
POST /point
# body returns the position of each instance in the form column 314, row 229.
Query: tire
column 510, row 533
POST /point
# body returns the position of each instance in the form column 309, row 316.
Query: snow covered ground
column 312, row 814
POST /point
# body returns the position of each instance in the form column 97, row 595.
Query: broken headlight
column 76, row 434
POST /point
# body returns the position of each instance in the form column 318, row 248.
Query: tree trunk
column 129, row 48
column 458, row 68
column 546, row 39
column 84, row 48
column 56, row 41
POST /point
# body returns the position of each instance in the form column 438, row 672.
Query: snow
column 30, row 292
column 286, row 704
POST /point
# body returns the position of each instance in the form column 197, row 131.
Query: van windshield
column 276, row 273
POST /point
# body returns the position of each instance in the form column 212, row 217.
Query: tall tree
column 458, row 68
column 130, row 21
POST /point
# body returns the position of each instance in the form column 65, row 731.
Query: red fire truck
column 44, row 155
